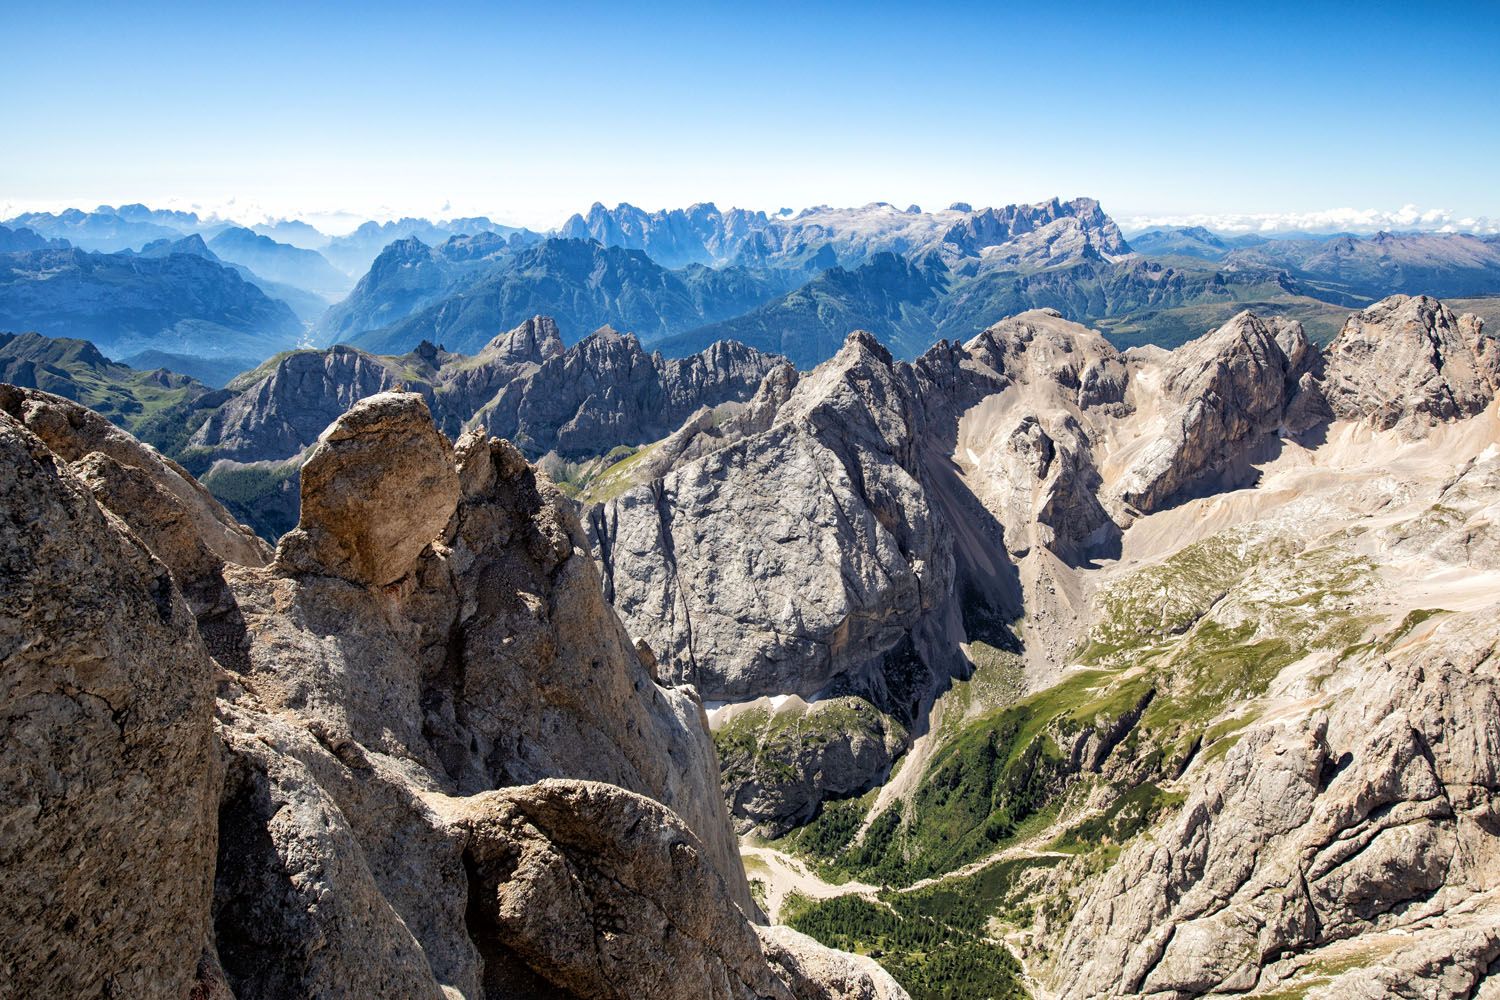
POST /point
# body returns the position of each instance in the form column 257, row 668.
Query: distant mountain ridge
column 158, row 406
column 1439, row 264
column 280, row 262
column 22, row 239
column 452, row 299
column 704, row 273
column 127, row 303
column 820, row 237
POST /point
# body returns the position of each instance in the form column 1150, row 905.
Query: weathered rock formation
column 1223, row 394
column 108, row 774
column 794, row 554
column 1379, row 814
column 433, row 631
column 1409, row 361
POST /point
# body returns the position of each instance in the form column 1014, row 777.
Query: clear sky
column 528, row 113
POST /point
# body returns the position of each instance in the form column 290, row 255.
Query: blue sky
column 528, row 113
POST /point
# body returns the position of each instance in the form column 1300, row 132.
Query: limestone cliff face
column 1376, row 814
column 433, row 631
column 802, row 550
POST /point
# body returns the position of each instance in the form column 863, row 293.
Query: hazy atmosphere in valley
column 792, row 502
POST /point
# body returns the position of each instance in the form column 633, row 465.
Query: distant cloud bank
column 1333, row 220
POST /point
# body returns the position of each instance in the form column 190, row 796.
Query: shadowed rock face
column 434, row 630
column 286, row 409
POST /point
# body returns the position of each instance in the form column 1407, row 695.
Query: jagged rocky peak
column 533, row 341
column 1039, row 347
column 606, row 390
column 282, row 406
column 1215, row 400
column 1408, row 361
column 815, row 472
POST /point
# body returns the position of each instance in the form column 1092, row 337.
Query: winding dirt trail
column 783, row 875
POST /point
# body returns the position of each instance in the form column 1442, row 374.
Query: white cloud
column 1354, row 220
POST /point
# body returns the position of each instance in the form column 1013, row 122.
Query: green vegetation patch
column 931, row 960
column 1128, row 815
column 1000, row 890
column 766, row 746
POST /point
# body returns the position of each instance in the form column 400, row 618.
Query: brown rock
column 376, row 490
column 108, row 779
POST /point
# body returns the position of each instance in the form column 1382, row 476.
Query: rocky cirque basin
column 411, row 753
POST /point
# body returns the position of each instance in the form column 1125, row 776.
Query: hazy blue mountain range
column 102, row 229
column 305, row 305
column 407, row 275
column 790, row 282
column 1439, row 264
column 889, row 295
column 15, row 240
column 355, row 252
column 698, row 234
column 213, row 372
column 126, row 303
column 294, row 232
column 281, row 262
column 817, row 238
column 462, row 303
column 1190, row 241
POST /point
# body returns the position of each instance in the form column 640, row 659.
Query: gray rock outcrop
column 181, row 522
column 1384, row 808
column 1409, row 361
column 791, row 555
column 378, row 487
